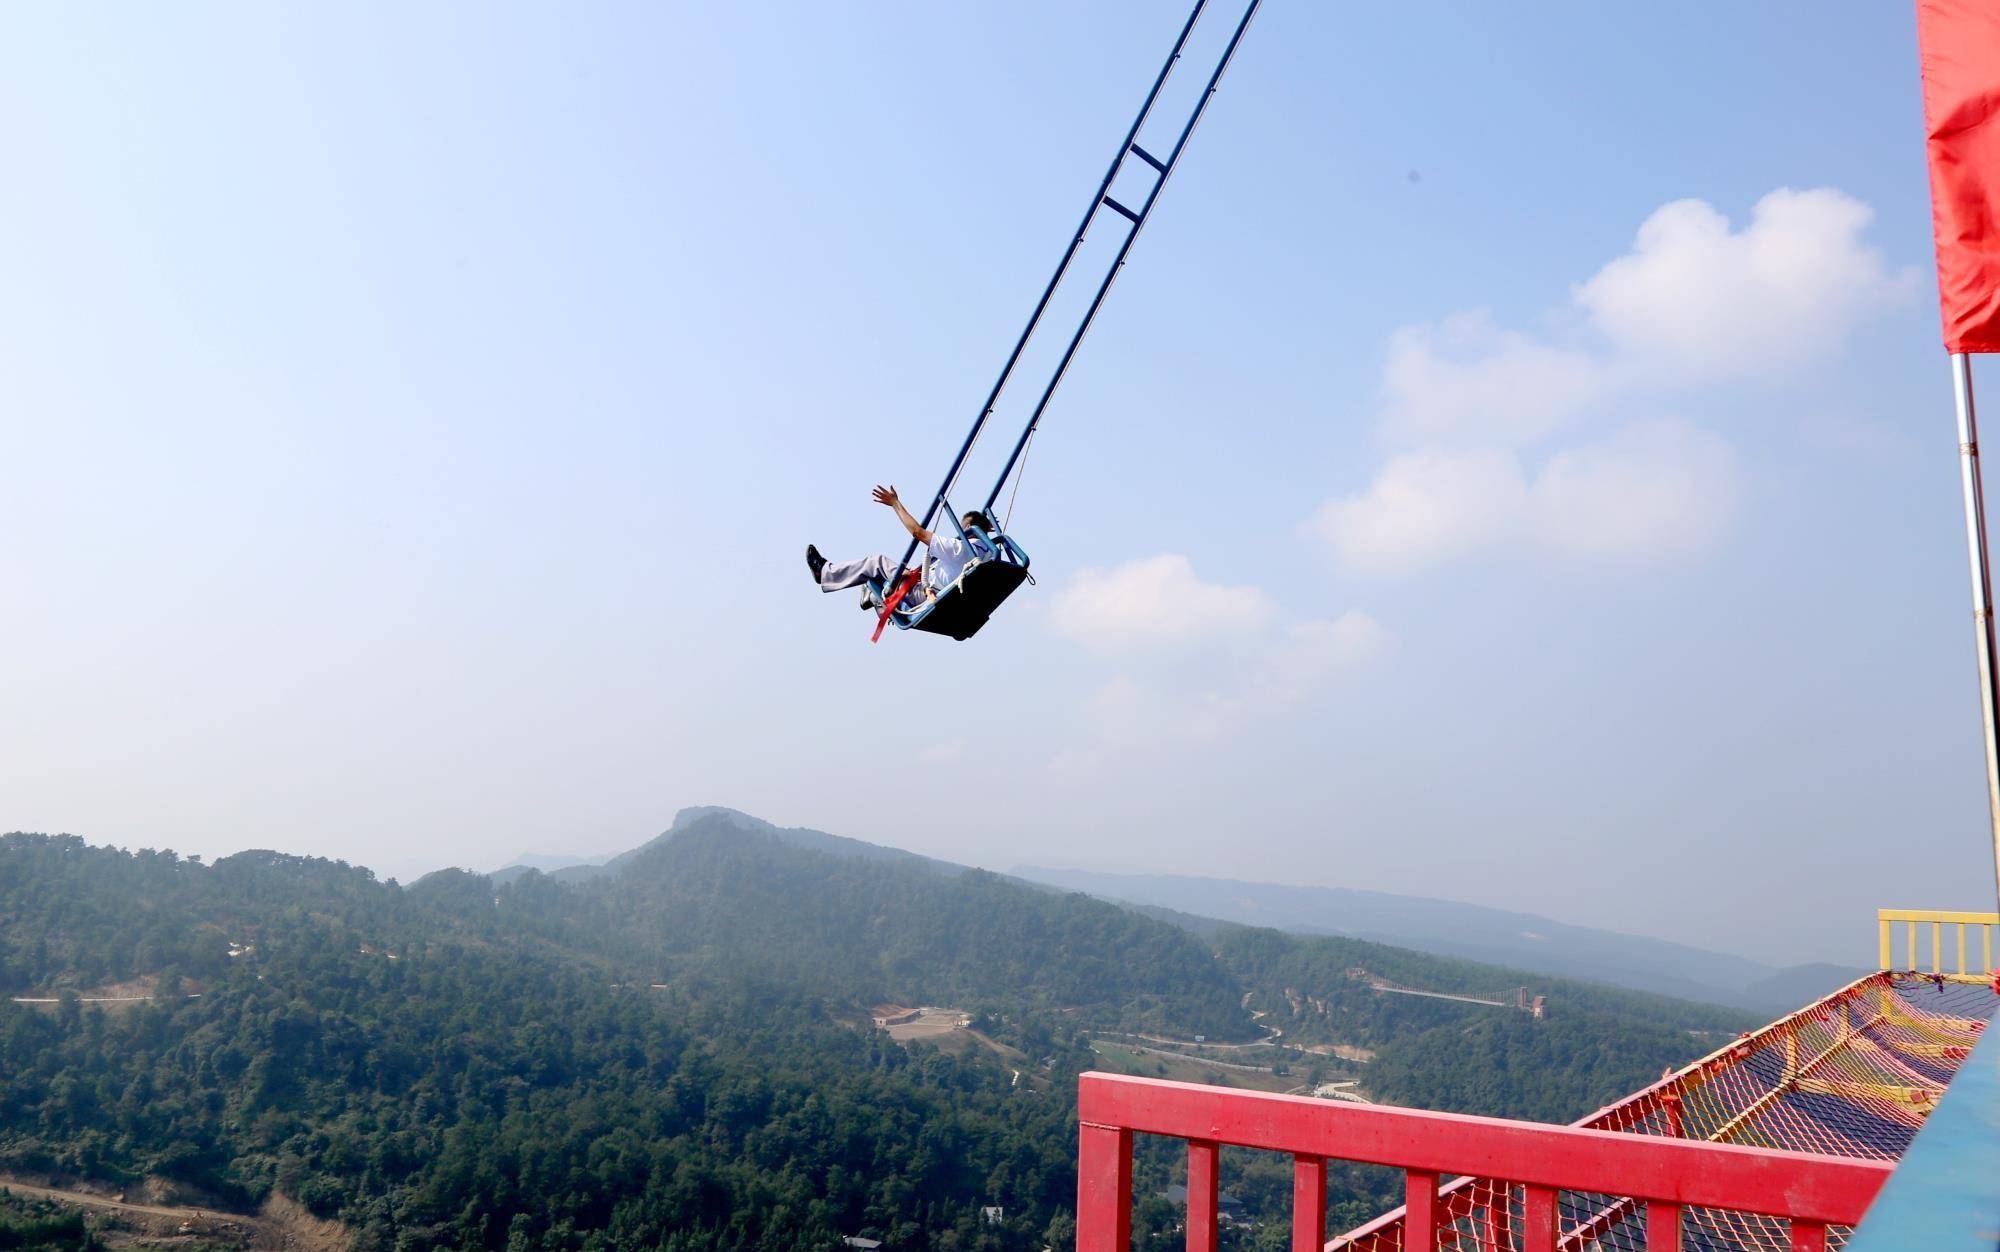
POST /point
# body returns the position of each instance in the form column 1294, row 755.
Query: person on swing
column 947, row 558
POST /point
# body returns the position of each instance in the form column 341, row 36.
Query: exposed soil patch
column 281, row 1225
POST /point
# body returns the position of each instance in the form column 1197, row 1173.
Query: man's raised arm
column 888, row 496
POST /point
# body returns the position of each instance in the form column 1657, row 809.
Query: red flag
column 1959, row 47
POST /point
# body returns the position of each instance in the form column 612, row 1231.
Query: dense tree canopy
column 678, row 1055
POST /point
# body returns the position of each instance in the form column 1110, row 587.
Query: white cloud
column 942, row 752
column 1466, row 376
column 1694, row 301
column 1319, row 649
column 1293, row 668
column 1287, row 668
column 1232, row 663
column 1425, row 507
column 1650, row 490
column 1121, row 710
column 1657, row 489
column 1693, row 296
column 1156, row 601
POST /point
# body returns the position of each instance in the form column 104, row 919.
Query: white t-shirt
column 949, row 554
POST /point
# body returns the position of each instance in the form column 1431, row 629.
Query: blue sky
column 413, row 419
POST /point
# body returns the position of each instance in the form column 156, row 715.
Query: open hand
column 887, row 495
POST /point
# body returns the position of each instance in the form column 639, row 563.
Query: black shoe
column 814, row 561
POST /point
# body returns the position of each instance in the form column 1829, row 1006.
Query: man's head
column 973, row 517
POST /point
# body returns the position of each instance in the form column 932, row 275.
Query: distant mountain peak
column 711, row 820
column 573, row 868
column 696, row 813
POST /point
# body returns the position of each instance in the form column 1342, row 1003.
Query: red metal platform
column 1778, row 1141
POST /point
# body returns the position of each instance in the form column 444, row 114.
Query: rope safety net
column 1854, row 1074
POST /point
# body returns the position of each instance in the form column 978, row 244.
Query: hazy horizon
column 409, row 870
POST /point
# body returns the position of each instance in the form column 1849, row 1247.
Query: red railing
column 1664, row 1176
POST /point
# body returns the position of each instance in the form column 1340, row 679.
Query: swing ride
column 1000, row 565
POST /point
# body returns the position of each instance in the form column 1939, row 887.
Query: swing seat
column 965, row 605
column 962, row 608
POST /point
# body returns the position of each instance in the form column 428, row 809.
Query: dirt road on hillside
column 281, row 1226
column 87, row 1200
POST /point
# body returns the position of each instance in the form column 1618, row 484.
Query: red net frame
column 1851, row 1075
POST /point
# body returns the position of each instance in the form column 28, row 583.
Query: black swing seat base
column 964, row 606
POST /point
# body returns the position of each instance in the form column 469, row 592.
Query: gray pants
column 840, row 575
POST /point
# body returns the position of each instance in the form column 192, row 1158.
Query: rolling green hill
column 676, row 1051
column 868, row 930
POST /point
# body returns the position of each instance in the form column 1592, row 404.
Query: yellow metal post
column 1936, row 920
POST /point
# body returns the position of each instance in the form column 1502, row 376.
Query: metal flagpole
column 1982, row 588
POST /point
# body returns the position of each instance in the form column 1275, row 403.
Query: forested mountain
column 678, row 1052
column 395, row 1058
column 1434, row 1053
column 1470, row 931
column 868, row 930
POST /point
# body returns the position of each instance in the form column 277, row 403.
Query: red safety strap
column 908, row 581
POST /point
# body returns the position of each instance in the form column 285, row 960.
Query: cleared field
column 944, row 1030
column 1344, row 1051
column 929, row 1024
column 1126, row 1059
